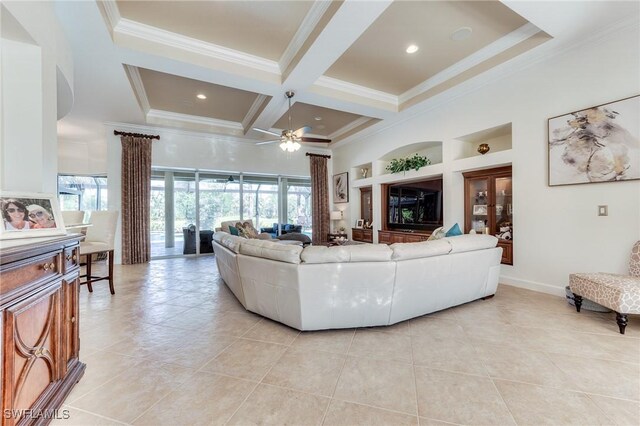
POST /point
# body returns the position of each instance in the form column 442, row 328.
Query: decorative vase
column 484, row 148
column 364, row 172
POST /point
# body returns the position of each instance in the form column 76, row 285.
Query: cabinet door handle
column 73, row 319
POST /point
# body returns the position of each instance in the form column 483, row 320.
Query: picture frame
column 479, row 209
column 596, row 144
column 359, row 223
column 341, row 188
column 41, row 216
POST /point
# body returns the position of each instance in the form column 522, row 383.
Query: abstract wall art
column 598, row 144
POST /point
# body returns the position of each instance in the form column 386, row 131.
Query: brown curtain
column 136, row 199
column 320, row 198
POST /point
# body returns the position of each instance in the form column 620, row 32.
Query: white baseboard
column 531, row 285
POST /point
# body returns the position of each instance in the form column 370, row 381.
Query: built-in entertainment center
column 411, row 210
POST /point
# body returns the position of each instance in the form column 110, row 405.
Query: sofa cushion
column 246, row 229
column 453, row 231
column 234, row 231
column 341, row 254
column 470, row 242
column 406, row 251
column 229, row 241
column 437, row 234
column 271, row 250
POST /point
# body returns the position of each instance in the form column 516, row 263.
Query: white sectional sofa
column 365, row 285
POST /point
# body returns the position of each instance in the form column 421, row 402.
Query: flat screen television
column 415, row 206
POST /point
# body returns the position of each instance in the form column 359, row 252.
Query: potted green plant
column 415, row 162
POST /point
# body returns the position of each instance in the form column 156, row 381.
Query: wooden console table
column 39, row 322
column 390, row 237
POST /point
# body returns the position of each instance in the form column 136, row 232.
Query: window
column 86, row 193
column 260, row 200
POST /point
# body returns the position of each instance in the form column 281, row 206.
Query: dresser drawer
column 22, row 274
column 70, row 259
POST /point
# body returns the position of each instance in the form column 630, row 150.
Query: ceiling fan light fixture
column 283, row 146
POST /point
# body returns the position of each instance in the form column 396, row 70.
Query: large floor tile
column 310, row 371
column 428, row 326
column 270, row 405
column 68, row 416
column 204, row 399
column 622, row 412
column 247, row 359
column 537, row 405
column 272, row 331
column 383, row 384
column 343, row 413
column 446, row 354
column 130, row 394
column 337, row 341
column 459, row 398
column 381, row 345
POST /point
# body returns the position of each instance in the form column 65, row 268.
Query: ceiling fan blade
column 268, row 142
column 269, row 132
column 304, row 139
column 301, row 131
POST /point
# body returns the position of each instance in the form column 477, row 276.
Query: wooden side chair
column 99, row 239
column 620, row 293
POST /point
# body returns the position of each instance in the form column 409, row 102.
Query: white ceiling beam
column 345, row 27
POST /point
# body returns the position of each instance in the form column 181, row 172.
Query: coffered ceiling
column 345, row 60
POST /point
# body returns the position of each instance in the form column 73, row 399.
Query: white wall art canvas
column 598, row 144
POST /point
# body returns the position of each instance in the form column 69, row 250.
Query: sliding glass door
column 187, row 206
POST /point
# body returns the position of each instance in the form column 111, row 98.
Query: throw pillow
column 246, row 230
column 233, row 230
column 436, row 234
column 454, row 231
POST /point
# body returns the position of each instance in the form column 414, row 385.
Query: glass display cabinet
column 488, row 206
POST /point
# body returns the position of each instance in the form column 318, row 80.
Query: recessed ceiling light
column 317, row 118
column 201, row 96
column 412, row 48
column 461, row 33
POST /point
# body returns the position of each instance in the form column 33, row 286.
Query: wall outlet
column 603, row 210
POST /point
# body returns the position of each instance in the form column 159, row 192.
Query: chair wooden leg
column 621, row 319
column 89, row 273
column 110, row 254
column 578, row 301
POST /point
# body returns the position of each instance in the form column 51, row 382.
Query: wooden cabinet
column 39, row 353
column 488, row 205
column 390, row 237
column 363, row 235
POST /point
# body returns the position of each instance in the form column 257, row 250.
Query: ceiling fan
column 290, row 139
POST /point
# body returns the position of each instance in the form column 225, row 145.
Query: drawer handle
column 71, row 257
column 73, row 319
column 45, row 266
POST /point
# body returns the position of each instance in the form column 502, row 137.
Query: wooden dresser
column 39, row 349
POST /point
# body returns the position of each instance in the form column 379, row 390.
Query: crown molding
column 347, row 128
column 156, row 35
column 193, row 119
column 513, row 38
column 357, row 90
column 111, row 12
column 255, row 107
column 138, row 87
column 308, row 24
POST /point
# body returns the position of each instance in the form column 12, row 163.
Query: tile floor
column 174, row 347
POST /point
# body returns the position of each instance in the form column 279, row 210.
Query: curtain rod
column 135, row 135
column 308, row 154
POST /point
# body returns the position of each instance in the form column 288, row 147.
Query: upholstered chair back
column 634, row 262
column 72, row 217
column 103, row 229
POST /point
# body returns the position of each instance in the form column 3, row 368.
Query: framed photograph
column 479, row 209
column 341, row 188
column 597, row 144
column 29, row 215
column 359, row 223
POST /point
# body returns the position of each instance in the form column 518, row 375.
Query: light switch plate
column 603, row 210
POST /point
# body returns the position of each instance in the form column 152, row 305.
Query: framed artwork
column 597, row 144
column 479, row 209
column 28, row 215
column 359, row 223
column 341, row 188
